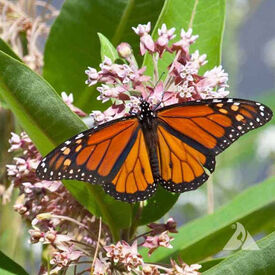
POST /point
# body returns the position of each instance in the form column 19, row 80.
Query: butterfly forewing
column 215, row 123
column 191, row 134
column 94, row 155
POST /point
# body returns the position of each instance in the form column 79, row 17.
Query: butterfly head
column 145, row 110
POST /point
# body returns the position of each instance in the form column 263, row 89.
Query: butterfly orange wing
column 108, row 155
column 191, row 134
column 134, row 180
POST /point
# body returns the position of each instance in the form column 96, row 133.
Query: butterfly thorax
column 147, row 119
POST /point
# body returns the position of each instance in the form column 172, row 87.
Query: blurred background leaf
column 9, row 267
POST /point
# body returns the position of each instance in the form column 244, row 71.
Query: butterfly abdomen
column 149, row 128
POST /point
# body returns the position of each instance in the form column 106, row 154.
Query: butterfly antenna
column 162, row 74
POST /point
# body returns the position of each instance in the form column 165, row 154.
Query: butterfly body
column 172, row 146
column 148, row 122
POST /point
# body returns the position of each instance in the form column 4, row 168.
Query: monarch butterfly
column 171, row 146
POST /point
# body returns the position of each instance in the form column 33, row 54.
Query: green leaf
column 73, row 44
column 4, row 47
column 9, row 267
column 107, row 48
column 154, row 208
column 254, row 208
column 249, row 262
column 205, row 17
column 48, row 121
column 210, row 263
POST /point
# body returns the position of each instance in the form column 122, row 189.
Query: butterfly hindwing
column 134, row 181
column 181, row 164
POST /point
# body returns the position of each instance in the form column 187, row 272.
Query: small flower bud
column 36, row 235
column 50, row 236
column 44, row 216
column 124, row 50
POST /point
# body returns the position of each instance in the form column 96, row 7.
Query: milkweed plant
column 73, row 237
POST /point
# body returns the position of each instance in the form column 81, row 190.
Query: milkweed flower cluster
column 21, row 17
column 123, row 257
column 125, row 84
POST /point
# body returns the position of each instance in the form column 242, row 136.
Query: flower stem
column 156, row 71
column 97, row 246
column 123, row 21
column 136, row 220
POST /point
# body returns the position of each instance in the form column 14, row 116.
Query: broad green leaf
column 154, row 208
column 48, row 121
column 107, row 48
column 249, row 262
column 9, row 267
column 205, row 17
column 210, row 263
column 4, row 47
column 73, row 43
column 254, row 208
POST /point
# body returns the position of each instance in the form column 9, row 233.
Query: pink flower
column 215, row 77
column 20, row 142
column 68, row 99
column 158, row 228
column 198, row 60
column 68, row 255
column 150, row 270
column 123, row 253
column 164, row 37
column 146, row 41
column 107, row 92
column 15, row 142
column 157, row 241
column 184, row 269
column 98, row 117
column 92, row 76
column 156, row 94
column 101, row 268
column 113, row 112
column 186, row 40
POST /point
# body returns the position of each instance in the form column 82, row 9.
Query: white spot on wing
column 79, row 136
column 216, row 100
